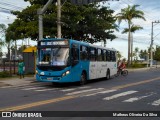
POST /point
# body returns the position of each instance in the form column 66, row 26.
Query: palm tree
column 132, row 30
column 128, row 14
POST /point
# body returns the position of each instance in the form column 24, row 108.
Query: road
column 139, row 91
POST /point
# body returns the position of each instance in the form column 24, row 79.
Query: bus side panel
column 93, row 70
column 76, row 70
column 113, row 68
column 99, row 69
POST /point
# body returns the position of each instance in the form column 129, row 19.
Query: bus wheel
column 108, row 75
column 83, row 79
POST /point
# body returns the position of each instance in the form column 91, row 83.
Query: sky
column 142, row 38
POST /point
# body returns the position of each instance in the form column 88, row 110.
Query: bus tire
column 108, row 75
column 83, row 79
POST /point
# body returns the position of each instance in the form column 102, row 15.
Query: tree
column 119, row 55
column 143, row 54
column 132, row 30
column 136, row 51
column 91, row 23
column 2, row 33
column 10, row 37
column 128, row 14
column 157, row 53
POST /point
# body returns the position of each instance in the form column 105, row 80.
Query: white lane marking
column 119, row 95
column 71, row 89
column 28, row 86
column 156, row 103
column 138, row 98
column 20, row 86
column 84, row 87
column 46, row 89
column 66, row 90
column 102, row 92
column 6, row 87
column 84, row 91
column 33, row 88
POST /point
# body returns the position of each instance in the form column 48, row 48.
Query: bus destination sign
column 54, row 43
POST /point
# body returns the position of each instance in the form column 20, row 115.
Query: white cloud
column 6, row 6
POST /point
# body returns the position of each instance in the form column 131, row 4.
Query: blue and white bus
column 66, row 60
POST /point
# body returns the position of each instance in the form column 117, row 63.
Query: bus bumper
column 57, row 79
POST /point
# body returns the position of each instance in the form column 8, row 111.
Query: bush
column 4, row 74
column 137, row 65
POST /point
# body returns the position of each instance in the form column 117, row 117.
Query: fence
column 11, row 66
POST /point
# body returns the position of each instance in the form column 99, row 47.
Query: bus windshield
column 54, row 56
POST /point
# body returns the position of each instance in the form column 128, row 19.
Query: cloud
column 6, row 6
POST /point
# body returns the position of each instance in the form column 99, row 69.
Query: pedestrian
column 21, row 69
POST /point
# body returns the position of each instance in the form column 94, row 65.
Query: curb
column 16, row 81
column 142, row 69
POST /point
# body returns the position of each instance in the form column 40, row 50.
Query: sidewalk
column 16, row 81
column 143, row 69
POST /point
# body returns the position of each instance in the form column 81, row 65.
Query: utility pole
column 151, row 51
column 40, row 13
column 58, row 18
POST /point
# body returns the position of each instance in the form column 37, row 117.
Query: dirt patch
column 4, row 84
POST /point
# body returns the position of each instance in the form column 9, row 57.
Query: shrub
column 4, row 74
column 137, row 65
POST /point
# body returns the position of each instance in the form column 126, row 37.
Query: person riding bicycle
column 122, row 66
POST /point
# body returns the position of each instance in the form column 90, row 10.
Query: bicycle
column 123, row 72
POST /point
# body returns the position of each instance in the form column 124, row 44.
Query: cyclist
column 121, row 66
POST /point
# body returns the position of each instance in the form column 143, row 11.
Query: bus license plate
column 49, row 78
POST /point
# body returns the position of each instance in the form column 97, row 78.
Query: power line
column 135, row 41
column 148, row 16
column 10, row 5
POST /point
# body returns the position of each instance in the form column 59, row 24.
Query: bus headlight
column 41, row 73
column 66, row 73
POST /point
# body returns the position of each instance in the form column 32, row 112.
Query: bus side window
column 100, row 55
column 113, row 56
column 75, row 53
column 92, row 54
column 104, row 55
column 83, row 53
column 108, row 55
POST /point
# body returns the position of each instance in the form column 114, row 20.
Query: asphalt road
column 137, row 92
